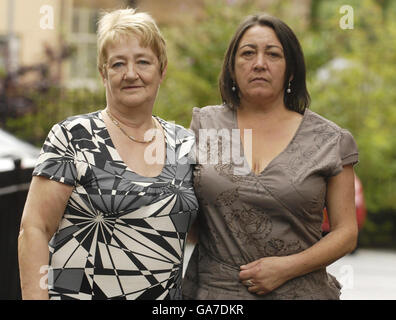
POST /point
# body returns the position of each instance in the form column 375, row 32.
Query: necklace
column 117, row 123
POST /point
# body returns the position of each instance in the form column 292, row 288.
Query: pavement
column 366, row 274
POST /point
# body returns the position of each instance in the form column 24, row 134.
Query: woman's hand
column 265, row 275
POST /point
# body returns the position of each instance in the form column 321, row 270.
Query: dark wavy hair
column 298, row 100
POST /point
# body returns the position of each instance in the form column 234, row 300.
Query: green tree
column 360, row 97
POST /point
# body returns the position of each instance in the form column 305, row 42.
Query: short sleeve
column 347, row 151
column 57, row 157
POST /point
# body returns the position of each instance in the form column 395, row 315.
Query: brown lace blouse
column 244, row 216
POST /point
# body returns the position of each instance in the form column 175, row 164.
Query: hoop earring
column 288, row 88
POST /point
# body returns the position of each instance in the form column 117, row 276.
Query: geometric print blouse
column 122, row 235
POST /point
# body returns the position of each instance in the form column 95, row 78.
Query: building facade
column 29, row 27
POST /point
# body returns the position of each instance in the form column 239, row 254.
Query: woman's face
column 260, row 66
column 132, row 74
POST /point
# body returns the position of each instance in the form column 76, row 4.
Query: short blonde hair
column 112, row 26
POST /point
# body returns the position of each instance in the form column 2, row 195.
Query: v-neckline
column 167, row 144
column 246, row 163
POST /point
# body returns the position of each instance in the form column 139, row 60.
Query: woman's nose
column 130, row 72
column 260, row 62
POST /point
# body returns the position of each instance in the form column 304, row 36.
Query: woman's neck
column 133, row 118
column 268, row 110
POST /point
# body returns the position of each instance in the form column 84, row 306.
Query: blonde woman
column 108, row 197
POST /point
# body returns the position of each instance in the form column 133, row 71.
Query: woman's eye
column 247, row 53
column 274, row 54
column 117, row 65
column 143, row 62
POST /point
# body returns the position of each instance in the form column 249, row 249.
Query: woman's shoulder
column 77, row 127
column 214, row 116
column 212, row 109
column 326, row 130
column 318, row 122
column 79, row 121
column 172, row 127
column 328, row 133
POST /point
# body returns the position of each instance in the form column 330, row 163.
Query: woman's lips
column 131, row 87
column 259, row 79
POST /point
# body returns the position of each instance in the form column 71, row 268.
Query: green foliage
column 52, row 107
column 361, row 98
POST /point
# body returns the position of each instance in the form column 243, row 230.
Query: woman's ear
column 164, row 73
column 102, row 73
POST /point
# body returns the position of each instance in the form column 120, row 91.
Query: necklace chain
column 117, row 123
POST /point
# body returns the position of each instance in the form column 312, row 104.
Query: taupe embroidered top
column 244, row 216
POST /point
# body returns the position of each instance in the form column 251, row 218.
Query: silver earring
column 288, row 88
column 233, row 88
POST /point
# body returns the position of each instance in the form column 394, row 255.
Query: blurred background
column 48, row 72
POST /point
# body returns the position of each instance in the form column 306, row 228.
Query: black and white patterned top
column 122, row 235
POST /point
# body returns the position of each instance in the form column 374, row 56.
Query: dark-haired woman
column 262, row 191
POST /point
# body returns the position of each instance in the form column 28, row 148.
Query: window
column 3, row 54
column 83, row 70
column 9, row 53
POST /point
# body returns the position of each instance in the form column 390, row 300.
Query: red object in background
column 360, row 208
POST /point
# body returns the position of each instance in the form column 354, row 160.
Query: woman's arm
column 269, row 273
column 44, row 208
